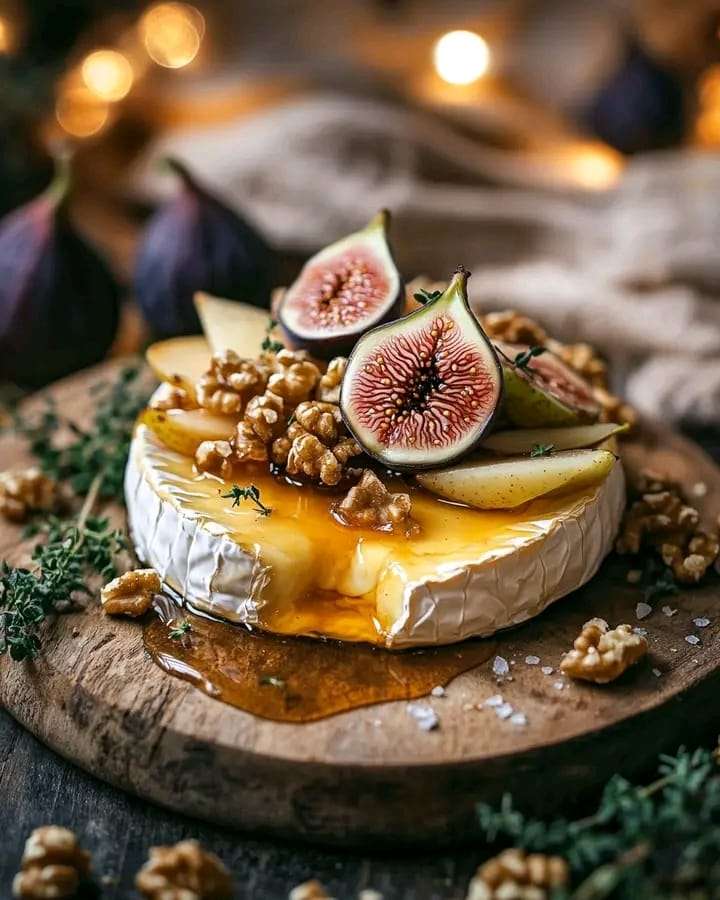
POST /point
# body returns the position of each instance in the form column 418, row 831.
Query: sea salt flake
column 640, row 631
column 692, row 639
column 504, row 711
column 701, row 622
column 500, row 666
column 547, row 670
column 532, row 660
column 668, row 611
column 559, row 685
column 657, row 673
column 643, row 610
column 438, row 691
column 495, row 700
column 518, row 718
column 699, row 489
column 425, row 716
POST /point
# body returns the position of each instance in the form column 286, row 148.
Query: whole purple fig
column 59, row 302
column 197, row 243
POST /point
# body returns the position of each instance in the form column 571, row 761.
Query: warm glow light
column 172, row 33
column 461, row 57
column 108, row 74
column 593, row 167
column 5, row 36
column 80, row 113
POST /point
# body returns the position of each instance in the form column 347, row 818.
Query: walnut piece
column 601, row 655
column 509, row 325
column 265, row 414
column 662, row 520
column 53, row 864
column 25, row 492
column 184, row 872
column 130, row 594
column 295, row 378
column 230, row 382
column 322, row 420
column 172, row 396
column 309, row 890
column 517, row 875
column 613, row 409
column 369, row 504
column 215, row 457
column 247, row 446
column 328, row 389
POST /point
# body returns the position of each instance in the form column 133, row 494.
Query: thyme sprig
column 423, row 296
column 269, row 345
column 70, row 553
column 541, row 450
column 641, row 841
column 252, row 492
column 181, row 630
column 99, row 450
column 522, row 360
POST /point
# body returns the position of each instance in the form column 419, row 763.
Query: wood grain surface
column 371, row 774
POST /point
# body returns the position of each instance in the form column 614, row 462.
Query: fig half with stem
column 423, row 390
column 344, row 290
column 541, row 391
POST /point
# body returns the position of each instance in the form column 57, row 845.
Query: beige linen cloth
column 633, row 270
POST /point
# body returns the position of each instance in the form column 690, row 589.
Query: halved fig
column 344, row 290
column 421, row 391
column 541, row 391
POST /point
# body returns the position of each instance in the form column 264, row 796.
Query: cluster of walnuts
column 661, row 519
column 289, row 415
column 517, row 875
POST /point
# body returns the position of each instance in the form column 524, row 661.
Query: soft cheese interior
column 298, row 572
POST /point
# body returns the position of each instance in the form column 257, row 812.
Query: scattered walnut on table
column 328, row 389
column 53, row 864
column 215, row 457
column 25, row 492
column 517, row 875
column 309, row 890
column 369, row 504
column 130, row 594
column 184, row 871
column 230, row 382
column 601, row 655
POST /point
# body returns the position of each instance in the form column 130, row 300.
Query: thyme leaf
column 269, row 345
column 423, row 296
column 252, row 492
column 522, row 360
column 541, row 450
column 179, row 631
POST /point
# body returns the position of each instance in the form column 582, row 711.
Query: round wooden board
column 95, row 697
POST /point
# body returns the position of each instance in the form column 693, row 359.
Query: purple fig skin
column 197, row 243
column 59, row 303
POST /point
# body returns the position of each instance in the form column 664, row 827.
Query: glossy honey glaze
column 297, row 679
column 321, row 577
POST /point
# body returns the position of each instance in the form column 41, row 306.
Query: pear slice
column 504, row 484
column 523, row 440
column 183, row 430
column 179, row 360
column 232, row 325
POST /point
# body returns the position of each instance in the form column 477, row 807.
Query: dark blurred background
column 565, row 150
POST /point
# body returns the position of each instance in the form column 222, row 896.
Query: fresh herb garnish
column 269, row 345
column 423, row 296
column 541, row 450
column 102, row 449
column 273, row 681
column 642, row 841
column 252, row 493
column 179, row 631
column 523, row 360
column 71, row 552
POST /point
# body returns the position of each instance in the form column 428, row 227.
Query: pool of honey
column 345, row 583
column 297, row 679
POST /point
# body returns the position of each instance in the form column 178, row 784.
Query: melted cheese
column 297, row 571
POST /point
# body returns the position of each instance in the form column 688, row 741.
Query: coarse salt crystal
column 518, row 718
column 641, row 631
column 701, row 622
column 692, row 639
column 559, row 685
column 547, row 670
column 425, row 716
column 699, row 489
column 495, row 700
column 504, row 711
column 643, row 610
column 657, row 673
column 500, row 666
column 532, row 660
column 438, row 691
column 668, row 611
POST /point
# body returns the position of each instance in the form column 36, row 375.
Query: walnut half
column 53, row 865
column 601, row 655
column 517, row 874
column 130, row 594
column 25, row 492
column 184, row 871
column 369, row 504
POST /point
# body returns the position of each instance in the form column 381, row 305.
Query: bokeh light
column 172, row 34
column 461, row 57
column 5, row 36
column 594, row 167
column 80, row 112
column 108, row 74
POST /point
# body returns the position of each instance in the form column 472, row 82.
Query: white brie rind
column 438, row 591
